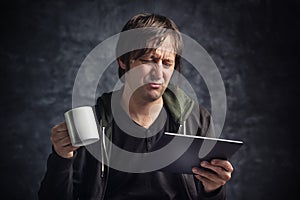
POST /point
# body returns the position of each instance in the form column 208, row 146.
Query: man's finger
column 60, row 127
column 215, row 168
column 209, row 175
column 223, row 173
column 57, row 136
column 69, row 148
column 225, row 164
column 64, row 142
column 203, row 179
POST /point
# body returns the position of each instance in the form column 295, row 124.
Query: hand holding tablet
column 200, row 149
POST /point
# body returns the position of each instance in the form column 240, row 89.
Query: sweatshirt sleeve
column 58, row 180
column 219, row 194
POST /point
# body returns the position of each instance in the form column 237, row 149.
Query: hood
column 179, row 104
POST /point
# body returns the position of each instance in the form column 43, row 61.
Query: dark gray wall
column 253, row 42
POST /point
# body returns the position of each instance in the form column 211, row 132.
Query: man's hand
column 61, row 141
column 220, row 173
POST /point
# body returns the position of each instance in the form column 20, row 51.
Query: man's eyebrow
column 169, row 60
column 153, row 55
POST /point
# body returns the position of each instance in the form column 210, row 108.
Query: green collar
column 178, row 103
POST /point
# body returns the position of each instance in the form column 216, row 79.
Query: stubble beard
column 148, row 94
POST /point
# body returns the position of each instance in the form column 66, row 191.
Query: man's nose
column 157, row 71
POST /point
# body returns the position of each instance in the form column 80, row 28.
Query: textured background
column 253, row 42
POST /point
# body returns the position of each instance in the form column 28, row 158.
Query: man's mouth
column 155, row 85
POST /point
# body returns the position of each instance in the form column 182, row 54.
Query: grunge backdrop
column 254, row 43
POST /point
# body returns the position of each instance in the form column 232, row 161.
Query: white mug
column 82, row 126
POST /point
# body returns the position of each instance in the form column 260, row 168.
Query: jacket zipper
column 103, row 153
column 103, row 149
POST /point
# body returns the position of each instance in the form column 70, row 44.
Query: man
column 150, row 103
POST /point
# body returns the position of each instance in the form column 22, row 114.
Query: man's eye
column 146, row 61
column 168, row 64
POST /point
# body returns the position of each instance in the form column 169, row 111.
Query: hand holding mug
column 80, row 129
column 61, row 141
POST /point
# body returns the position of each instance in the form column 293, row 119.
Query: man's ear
column 121, row 63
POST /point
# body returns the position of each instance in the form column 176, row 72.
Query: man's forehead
column 166, row 44
column 161, row 53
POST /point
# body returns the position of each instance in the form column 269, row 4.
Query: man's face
column 150, row 74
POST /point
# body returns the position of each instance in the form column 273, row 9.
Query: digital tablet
column 191, row 150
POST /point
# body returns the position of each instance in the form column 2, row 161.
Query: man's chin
column 155, row 94
column 150, row 94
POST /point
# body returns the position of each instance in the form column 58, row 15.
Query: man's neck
column 142, row 112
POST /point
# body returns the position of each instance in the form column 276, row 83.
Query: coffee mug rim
column 78, row 108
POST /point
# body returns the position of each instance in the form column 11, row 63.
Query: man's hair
column 162, row 27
